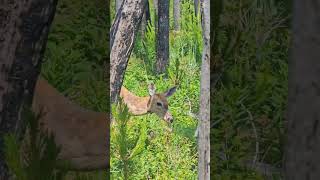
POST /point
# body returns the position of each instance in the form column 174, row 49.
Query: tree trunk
column 163, row 37
column 24, row 31
column 147, row 12
column 196, row 6
column 176, row 14
column 204, row 126
column 302, row 160
column 216, row 59
column 145, row 19
column 143, row 24
column 118, row 4
column 123, row 33
column 156, row 8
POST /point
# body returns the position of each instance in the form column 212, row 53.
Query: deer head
column 158, row 103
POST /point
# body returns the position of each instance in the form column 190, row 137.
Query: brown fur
column 80, row 132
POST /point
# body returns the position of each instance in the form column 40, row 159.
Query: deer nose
column 168, row 117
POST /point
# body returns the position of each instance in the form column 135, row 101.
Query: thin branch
column 254, row 161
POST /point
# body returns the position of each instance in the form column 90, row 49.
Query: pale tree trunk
column 196, row 6
column 302, row 160
column 123, row 33
column 162, row 48
column 118, row 4
column 24, row 31
column 176, row 14
column 204, row 122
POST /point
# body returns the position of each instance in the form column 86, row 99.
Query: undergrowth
column 249, row 100
column 37, row 157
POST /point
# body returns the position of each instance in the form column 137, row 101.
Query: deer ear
column 152, row 89
column 170, row 91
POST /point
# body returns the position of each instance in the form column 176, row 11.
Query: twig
column 195, row 116
column 263, row 168
column 264, row 155
column 260, row 167
column 273, row 27
column 215, row 123
column 256, row 136
column 190, row 113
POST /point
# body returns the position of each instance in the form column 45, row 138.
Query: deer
column 82, row 133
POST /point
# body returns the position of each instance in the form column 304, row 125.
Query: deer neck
column 137, row 105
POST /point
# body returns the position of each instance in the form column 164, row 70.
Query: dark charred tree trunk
column 107, row 19
column 215, row 62
column 145, row 19
column 176, row 14
column 302, row 160
column 204, row 123
column 162, row 48
column 147, row 12
column 123, row 33
column 23, row 35
column 196, row 7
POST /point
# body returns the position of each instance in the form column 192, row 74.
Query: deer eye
column 159, row 104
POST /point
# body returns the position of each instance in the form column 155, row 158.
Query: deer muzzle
column 168, row 117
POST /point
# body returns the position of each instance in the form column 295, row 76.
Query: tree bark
column 23, row 35
column 118, row 4
column 123, row 33
column 162, row 48
column 176, row 14
column 302, row 160
column 204, row 126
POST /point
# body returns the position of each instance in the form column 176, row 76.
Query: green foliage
column 121, row 115
column 251, row 93
column 189, row 40
column 145, row 48
column 140, row 145
column 163, row 154
column 76, row 53
column 39, row 156
column 13, row 157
